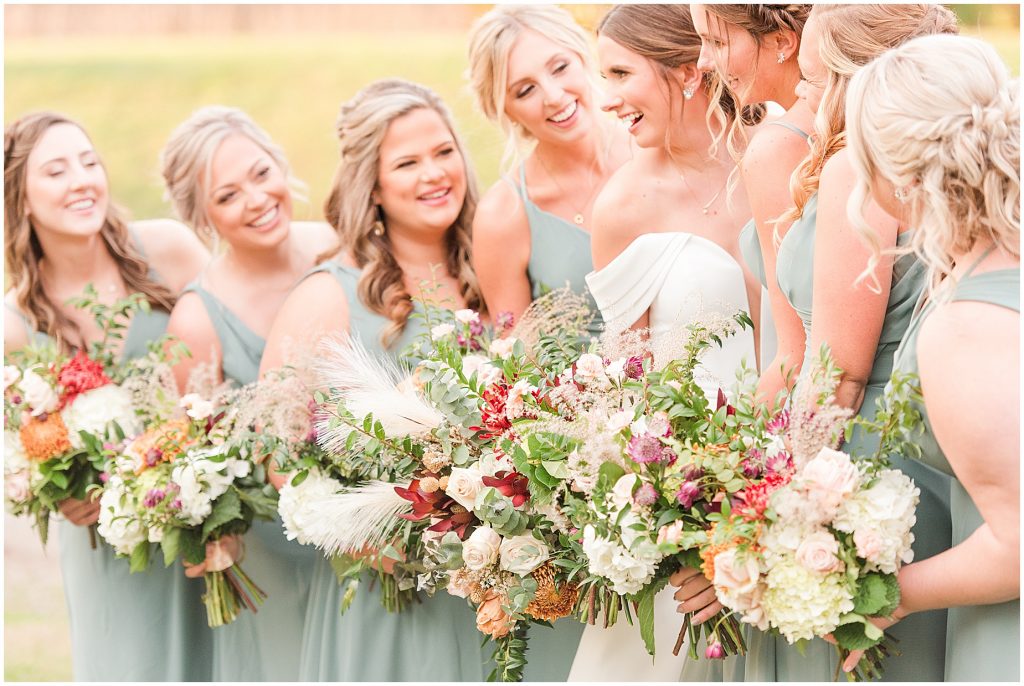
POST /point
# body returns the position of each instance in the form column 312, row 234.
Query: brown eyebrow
column 249, row 171
column 557, row 56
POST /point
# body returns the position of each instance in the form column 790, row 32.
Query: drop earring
column 378, row 223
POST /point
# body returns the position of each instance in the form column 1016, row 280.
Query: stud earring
column 782, row 57
column 901, row 194
column 687, row 93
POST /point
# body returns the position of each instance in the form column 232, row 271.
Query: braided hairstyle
column 23, row 251
column 940, row 116
column 350, row 209
column 852, row 36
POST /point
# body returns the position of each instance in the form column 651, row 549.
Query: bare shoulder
column 172, row 249
column 839, row 170
column 316, row 307
column 190, row 322
column 772, row 148
column 315, row 238
column 622, row 205
column 15, row 330
column 500, row 214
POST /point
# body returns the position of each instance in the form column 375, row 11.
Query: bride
column 666, row 250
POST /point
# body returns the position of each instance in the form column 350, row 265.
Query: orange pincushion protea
column 45, row 438
column 551, row 603
column 163, row 443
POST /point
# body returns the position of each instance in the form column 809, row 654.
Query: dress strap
column 978, row 261
column 792, row 127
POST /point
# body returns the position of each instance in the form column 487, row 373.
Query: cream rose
column 870, row 545
column 16, row 486
column 590, row 369
column 466, row 316
column 522, row 554
column 463, row 485
column 622, row 492
column 472, row 364
column 489, row 374
column 829, row 478
column 11, row 374
column 818, row 551
column 196, row 407
column 39, row 394
column 735, row 576
column 502, row 347
column 481, row 548
column 442, row 330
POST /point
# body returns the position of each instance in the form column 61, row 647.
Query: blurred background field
column 131, row 73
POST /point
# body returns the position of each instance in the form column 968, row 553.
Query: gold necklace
column 706, row 207
column 578, row 217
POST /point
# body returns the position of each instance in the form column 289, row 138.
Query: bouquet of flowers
column 60, row 411
column 631, row 464
column 186, row 485
column 411, row 484
column 812, row 549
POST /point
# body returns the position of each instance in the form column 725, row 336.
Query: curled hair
column 187, row 158
column 23, row 251
column 758, row 21
column 852, row 36
column 941, row 116
column 664, row 34
column 350, row 209
column 491, row 39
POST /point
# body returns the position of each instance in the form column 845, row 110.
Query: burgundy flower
column 692, row 472
column 511, row 485
column 688, row 493
column 476, row 328
column 750, row 468
column 505, row 320
column 724, row 402
column 635, row 367
column 452, row 516
column 779, row 423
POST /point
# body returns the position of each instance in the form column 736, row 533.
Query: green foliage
column 878, row 595
column 498, row 511
column 510, row 654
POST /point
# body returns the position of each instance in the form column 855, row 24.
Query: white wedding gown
column 678, row 277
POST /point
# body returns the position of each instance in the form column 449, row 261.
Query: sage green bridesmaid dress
column 435, row 640
column 982, row 642
column 146, row 626
column 559, row 254
column 921, row 637
column 264, row 646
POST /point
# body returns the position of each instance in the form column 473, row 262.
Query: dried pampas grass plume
column 558, row 310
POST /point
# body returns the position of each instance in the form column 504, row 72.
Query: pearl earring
column 378, row 228
column 687, row 93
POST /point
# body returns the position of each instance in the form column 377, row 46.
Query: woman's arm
column 172, row 250
column 501, row 251
column 848, row 316
column 765, row 170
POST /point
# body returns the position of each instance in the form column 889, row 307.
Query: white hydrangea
column 93, row 410
column 881, row 518
column 298, row 506
column 202, row 481
column 119, row 523
column 801, row 603
column 628, row 570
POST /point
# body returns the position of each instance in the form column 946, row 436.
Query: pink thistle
column 634, row 367
column 645, row 495
column 687, row 494
column 779, row 423
column 645, row 449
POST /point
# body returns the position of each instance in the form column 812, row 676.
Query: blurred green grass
column 131, row 93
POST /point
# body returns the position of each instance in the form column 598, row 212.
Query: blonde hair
column 187, row 158
column 941, row 115
column 758, row 21
column 852, row 36
column 23, row 251
column 350, row 208
column 491, row 39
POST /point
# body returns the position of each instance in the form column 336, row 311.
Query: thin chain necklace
column 578, row 217
column 706, row 207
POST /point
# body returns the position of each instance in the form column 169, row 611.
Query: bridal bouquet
column 60, row 411
column 186, row 486
column 633, row 464
column 413, row 487
column 812, row 550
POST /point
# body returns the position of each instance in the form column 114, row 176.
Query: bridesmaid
column 61, row 232
column 531, row 70
column 676, row 184
column 934, row 131
column 753, row 49
column 402, row 201
column 229, row 180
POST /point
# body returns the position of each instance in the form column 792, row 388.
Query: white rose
column 489, row 374
column 818, row 553
column 467, row 316
column 481, row 548
column 522, row 554
column 472, row 364
column 622, row 492
column 15, row 459
column 502, row 347
column 38, row 393
column 616, row 369
column 619, row 421
column 93, row 410
column 590, row 369
column 735, row 576
column 11, row 374
column 195, row 406
column 16, row 486
column 441, row 331
column 464, row 483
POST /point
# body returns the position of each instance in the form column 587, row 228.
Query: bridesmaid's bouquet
column 61, row 411
column 185, row 485
column 812, row 549
column 632, row 465
column 413, row 486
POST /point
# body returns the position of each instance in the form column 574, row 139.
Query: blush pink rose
column 818, row 553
